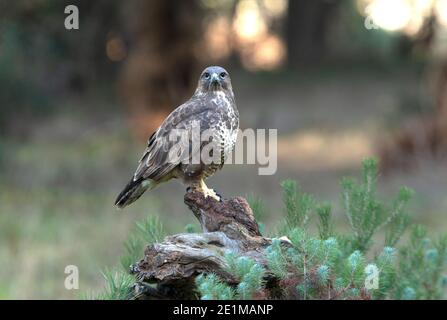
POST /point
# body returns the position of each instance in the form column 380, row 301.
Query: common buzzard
column 203, row 128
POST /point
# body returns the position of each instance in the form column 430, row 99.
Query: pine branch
column 298, row 205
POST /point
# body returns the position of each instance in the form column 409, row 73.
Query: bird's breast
column 222, row 100
column 227, row 124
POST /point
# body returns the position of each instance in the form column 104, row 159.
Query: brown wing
column 157, row 160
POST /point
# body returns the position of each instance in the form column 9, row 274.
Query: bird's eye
column 223, row 75
column 206, row 75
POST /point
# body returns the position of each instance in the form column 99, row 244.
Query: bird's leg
column 207, row 191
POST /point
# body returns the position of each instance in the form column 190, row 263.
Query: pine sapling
column 298, row 205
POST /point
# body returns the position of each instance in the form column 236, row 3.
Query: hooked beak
column 215, row 78
column 214, row 82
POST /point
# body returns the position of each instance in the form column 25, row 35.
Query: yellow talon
column 207, row 192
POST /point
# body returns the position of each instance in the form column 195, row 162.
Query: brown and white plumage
column 211, row 108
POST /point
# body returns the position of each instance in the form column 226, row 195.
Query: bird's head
column 214, row 78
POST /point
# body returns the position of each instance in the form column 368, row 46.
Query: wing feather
column 156, row 161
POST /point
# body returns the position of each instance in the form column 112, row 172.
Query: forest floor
column 59, row 183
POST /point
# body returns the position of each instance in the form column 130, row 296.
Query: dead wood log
column 168, row 269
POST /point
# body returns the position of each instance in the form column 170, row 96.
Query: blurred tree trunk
column 307, row 24
column 162, row 65
column 422, row 137
column 441, row 116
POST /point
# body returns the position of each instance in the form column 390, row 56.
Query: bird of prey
column 210, row 112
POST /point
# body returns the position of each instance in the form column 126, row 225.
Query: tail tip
column 119, row 206
column 122, row 201
column 132, row 191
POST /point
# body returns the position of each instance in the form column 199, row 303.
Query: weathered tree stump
column 173, row 264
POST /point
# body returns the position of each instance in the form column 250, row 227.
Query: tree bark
column 172, row 265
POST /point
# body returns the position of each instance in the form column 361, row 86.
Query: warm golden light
column 441, row 12
column 423, row 7
column 275, row 8
column 115, row 49
column 315, row 150
column 391, row 15
column 217, row 38
column 248, row 33
column 265, row 55
column 249, row 24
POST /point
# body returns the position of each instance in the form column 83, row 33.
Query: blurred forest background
column 340, row 80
